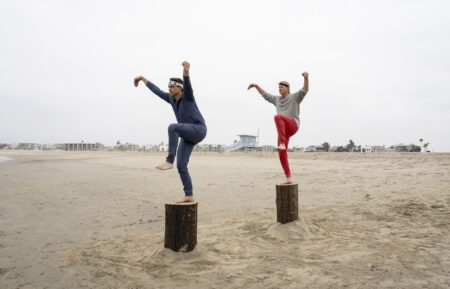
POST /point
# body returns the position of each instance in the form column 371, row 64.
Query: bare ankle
column 281, row 146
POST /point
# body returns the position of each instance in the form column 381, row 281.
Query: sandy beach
column 96, row 220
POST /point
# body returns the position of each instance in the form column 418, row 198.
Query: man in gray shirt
column 287, row 118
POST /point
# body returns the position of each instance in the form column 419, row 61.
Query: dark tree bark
column 287, row 203
column 181, row 227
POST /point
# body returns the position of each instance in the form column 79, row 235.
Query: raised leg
column 286, row 127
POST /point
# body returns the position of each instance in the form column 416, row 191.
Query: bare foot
column 288, row 181
column 165, row 166
column 281, row 146
column 187, row 199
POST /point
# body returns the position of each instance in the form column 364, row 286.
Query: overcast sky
column 379, row 70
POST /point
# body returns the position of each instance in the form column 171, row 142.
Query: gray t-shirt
column 288, row 105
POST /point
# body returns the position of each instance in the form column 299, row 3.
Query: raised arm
column 163, row 95
column 270, row 98
column 305, row 81
column 300, row 95
column 259, row 89
column 187, row 87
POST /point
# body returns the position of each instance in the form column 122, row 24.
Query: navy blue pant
column 190, row 134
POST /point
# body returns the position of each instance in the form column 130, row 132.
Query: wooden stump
column 287, row 203
column 181, row 227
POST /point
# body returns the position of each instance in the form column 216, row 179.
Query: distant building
column 405, row 148
column 247, row 140
column 310, row 149
column 298, row 149
column 338, row 149
column 13, row 146
column 28, row 146
column 128, row 147
column 150, row 148
column 163, row 147
column 373, row 149
column 209, row 148
column 83, row 146
column 59, row 146
column 246, row 143
column 413, row 148
column 366, row 149
column 320, row 149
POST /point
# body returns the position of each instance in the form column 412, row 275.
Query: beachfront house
column 310, row 149
column 128, row 147
column 83, row 146
column 209, row 148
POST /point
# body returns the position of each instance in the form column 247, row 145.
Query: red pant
column 286, row 127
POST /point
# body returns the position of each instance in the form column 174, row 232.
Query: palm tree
column 326, row 146
column 350, row 145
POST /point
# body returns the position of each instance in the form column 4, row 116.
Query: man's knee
column 172, row 127
column 278, row 117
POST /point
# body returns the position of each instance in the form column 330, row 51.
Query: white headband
column 173, row 82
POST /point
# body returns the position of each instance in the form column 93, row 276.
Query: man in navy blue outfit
column 190, row 128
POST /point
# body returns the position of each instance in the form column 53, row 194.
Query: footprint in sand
column 437, row 206
column 3, row 271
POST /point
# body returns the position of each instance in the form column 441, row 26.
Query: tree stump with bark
column 287, row 203
column 181, row 227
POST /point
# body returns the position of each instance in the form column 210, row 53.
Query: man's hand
column 259, row 89
column 252, row 85
column 186, row 65
column 136, row 80
column 305, row 81
column 139, row 78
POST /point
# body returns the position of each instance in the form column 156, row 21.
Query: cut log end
column 182, row 204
